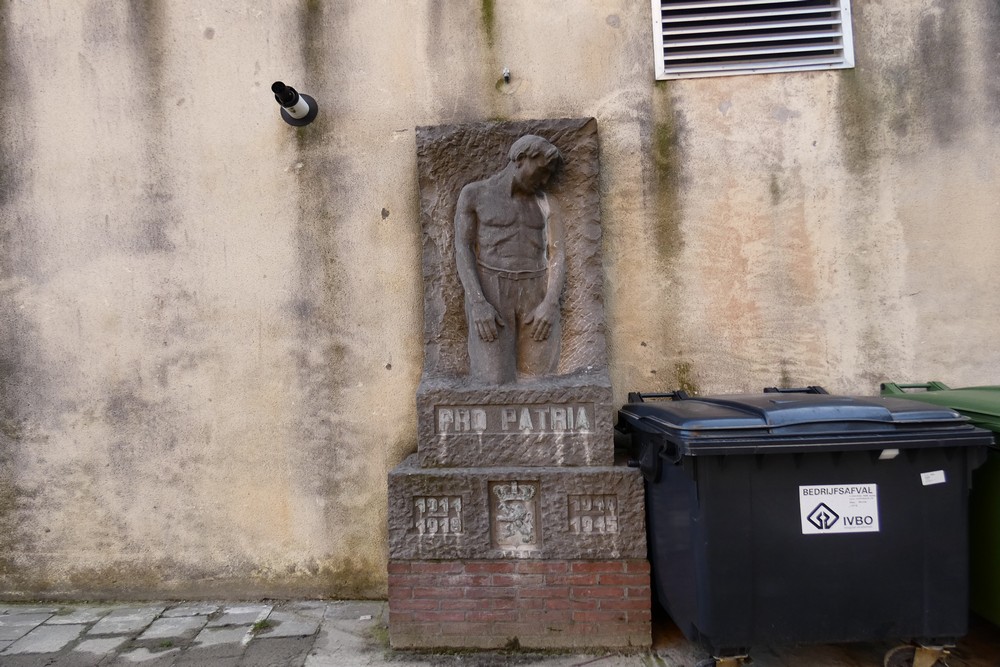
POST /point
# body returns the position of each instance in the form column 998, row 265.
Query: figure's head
column 534, row 160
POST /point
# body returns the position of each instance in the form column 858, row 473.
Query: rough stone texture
column 46, row 639
column 561, row 526
column 15, row 626
column 125, row 620
column 503, row 442
column 540, row 604
column 450, row 156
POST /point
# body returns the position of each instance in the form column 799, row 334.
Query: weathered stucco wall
column 210, row 328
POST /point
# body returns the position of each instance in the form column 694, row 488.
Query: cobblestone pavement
column 341, row 634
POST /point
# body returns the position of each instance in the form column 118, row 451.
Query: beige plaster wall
column 210, row 333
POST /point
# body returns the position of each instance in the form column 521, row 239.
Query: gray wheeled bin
column 790, row 518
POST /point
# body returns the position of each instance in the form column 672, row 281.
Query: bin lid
column 979, row 404
column 757, row 423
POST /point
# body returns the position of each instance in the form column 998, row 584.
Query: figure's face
column 532, row 173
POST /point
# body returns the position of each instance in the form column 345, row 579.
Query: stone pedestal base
column 542, row 557
column 528, row 603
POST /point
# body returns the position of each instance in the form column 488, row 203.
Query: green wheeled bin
column 982, row 406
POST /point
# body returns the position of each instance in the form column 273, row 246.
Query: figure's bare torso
column 510, row 228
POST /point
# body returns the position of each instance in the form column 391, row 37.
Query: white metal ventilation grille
column 723, row 37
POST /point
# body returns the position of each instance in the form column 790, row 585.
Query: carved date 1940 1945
column 539, row 418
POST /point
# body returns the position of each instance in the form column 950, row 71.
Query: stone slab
column 241, row 615
column 129, row 620
column 451, row 156
column 181, row 627
column 289, row 624
column 100, row 645
column 566, row 421
column 79, row 615
column 196, row 609
column 526, row 512
column 144, row 655
column 46, row 639
column 18, row 609
column 230, row 634
column 15, row 626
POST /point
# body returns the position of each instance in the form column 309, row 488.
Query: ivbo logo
column 823, row 517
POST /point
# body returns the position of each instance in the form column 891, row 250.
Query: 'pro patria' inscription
column 527, row 419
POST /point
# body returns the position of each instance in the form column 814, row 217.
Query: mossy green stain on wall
column 668, row 138
column 857, row 114
column 489, row 19
column 684, row 377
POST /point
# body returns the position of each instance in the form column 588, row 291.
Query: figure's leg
column 536, row 357
column 493, row 362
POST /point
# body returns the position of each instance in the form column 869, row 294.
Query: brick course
column 541, row 604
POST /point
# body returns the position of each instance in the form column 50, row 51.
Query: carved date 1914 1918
column 434, row 515
column 539, row 418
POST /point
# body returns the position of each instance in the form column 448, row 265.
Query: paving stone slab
column 15, row 626
column 354, row 611
column 203, row 609
column 144, row 655
column 24, row 609
column 213, row 636
column 241, row 615
column 101, row 645
column 285, row 651
column 203, row 658
column 181, row 627
column 79, row 615
column 289, row 624
column 310, row 608
column 129, row 620
column 46, row 639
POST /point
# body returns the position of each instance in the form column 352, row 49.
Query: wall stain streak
column 18, row 353
column 858, row 115
column 989, row 25
column 148, row 28
column 941, row 47
column 489, row 20
column 326, row 468
column 669, row 129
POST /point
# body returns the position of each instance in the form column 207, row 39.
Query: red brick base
column 528, row 603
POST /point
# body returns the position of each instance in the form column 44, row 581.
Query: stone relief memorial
column 511, row 522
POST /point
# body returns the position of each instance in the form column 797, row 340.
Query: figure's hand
column 541, row 319
column 486, row 319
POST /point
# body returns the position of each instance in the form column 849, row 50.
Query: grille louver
column 723, row 37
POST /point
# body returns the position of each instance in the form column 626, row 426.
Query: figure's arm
column 485, row 318
column 547, row 312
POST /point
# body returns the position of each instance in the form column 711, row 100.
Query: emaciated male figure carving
column 511, row 257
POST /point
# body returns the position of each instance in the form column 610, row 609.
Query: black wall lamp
column 296, row 108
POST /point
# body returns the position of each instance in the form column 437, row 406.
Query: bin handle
column 811, row 389
column 899, row 388
column 640, row 397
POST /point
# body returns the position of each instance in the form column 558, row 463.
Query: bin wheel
column 914, row 656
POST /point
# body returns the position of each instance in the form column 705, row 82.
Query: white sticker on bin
column 935, row 477
column 839, row 508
